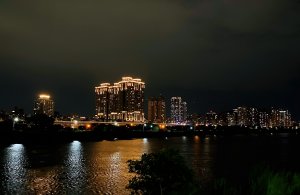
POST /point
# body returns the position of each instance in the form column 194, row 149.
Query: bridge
column 89, row 124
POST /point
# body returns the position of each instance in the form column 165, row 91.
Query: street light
column 16, row 119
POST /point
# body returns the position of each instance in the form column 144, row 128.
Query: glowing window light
column 44, row 96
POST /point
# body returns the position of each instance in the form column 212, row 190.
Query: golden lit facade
column 122, row 101
column 280, row 118
column 44, row 105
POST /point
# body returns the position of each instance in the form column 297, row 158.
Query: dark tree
column 164, row 172
column 6, row 125
column 41, row 121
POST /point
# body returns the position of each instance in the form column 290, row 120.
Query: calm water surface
column 100, row 167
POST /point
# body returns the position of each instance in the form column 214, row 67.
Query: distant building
column 280, row 118
column 17, row 112
column 44, row 105
column 222, row 119
column 122, row 101
column 184, row 111
column 211, row 119
column 178, row 110
column 157, row 109
column 230, row 119
column 263, row 119
column 253, row 116
column 195, row 119
column 244, row 117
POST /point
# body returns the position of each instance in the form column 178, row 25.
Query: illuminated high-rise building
column 211, row 118
column 243, row 116
column 44, row 105
column 253, row 117
column 263, row 119
column 178, row 110
column 105, row 104
column 157, row 109
column 231, row 118
column 184, row 111
column 123, row 101
column 280, row 118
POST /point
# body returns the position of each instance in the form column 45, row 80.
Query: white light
column 145, row 140
column 16, row 119
column 13, row 163
column 17, row 147
column 76, row 144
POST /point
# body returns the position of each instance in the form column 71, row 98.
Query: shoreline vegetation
column 154, row 174
column 42, row 129
column 56, row 134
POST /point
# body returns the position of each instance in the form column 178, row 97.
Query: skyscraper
column 44, row 105
column 156, row 109
column 280, row 118
column 184, row 111
column 243, row 116
column 263, row 119
column 123, row 101
column 178, row 110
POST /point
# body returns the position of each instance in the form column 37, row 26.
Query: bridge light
column 88, row 126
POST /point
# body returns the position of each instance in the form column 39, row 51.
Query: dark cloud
column 197, row 48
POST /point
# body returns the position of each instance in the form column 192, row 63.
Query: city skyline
column 42, row 97
column 124, row 101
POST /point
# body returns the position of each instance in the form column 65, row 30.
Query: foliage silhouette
column 164, row 172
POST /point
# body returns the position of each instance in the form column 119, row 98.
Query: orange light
column 44, row 96
column 88, row 126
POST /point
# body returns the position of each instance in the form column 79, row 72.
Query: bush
column 164, row 172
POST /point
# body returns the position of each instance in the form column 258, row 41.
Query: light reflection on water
column 101, row 167
column 14, row 172
column 75, row 169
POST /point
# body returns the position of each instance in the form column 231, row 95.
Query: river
column 101, row 168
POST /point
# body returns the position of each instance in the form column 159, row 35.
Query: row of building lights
column 124, row 101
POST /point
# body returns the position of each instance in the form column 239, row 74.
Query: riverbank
column 51, row 136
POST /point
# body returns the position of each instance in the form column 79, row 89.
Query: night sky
column 217, row 54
